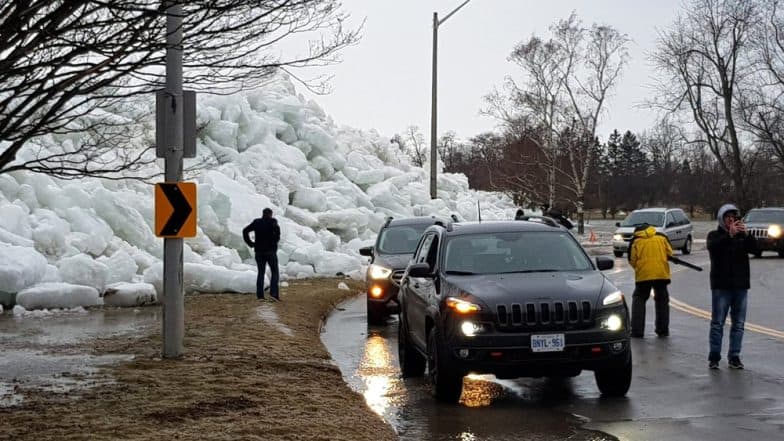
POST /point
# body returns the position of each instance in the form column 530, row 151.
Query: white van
column 670, row 221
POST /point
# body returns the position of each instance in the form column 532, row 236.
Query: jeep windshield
column 654, row 218
column 765, row 217
column 400, row 239
column 515, row 252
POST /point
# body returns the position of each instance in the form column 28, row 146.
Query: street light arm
column 440, row 22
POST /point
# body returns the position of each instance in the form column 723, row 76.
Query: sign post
column 173, row 296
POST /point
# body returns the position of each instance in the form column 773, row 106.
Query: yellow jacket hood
column 648, row 255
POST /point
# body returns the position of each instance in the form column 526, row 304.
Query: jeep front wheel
column 445, row 383
column 412, row 363
column 615, row 382
column 618, row 253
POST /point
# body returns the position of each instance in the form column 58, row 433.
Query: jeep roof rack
column 443, row 224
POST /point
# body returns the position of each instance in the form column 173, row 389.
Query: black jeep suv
column 388, row 259
column 766, row 225
column 514, row 299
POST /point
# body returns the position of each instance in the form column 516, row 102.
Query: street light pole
column 434, row 102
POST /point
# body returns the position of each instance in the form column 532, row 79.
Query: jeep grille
column 759, row 233
column 570, row 314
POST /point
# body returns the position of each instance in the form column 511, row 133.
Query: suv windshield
column 400, row 239
column 765, row 217
column 494, row 253
column 655, row 218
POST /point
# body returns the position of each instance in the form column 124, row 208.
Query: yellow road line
column 685, row 307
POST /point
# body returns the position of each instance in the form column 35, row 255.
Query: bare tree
column 66, row 64
column 533, row 110
column 703, row 63
column 595, row 59
column 664, row 144
column 568, row 79
column 417, row 149
column 762, row 105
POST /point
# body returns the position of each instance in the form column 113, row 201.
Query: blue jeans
column 262, row 260
column 734, row 302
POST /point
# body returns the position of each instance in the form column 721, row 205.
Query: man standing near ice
column 265, row 244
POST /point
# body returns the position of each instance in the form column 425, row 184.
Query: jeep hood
column 393, row 261
column 493, row 289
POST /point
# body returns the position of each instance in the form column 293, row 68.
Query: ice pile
column 82, row 243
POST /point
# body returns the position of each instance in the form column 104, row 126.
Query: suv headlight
column 613, row 298
column 377, row 272
column 774, row 231
column 461, row 306
column 617, row 237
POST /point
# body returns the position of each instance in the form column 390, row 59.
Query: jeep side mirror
column 604, row 263
column 618, row 224
column 419, row 270
column 366, row 251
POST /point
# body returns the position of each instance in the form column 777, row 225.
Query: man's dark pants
column 262, row 260
column 642, row 290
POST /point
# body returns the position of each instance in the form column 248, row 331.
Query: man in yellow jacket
column 648, row 253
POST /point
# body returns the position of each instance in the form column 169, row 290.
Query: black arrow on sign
column 182, row 210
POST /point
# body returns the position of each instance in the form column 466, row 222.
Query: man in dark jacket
column 265, row 244
column 729, row 247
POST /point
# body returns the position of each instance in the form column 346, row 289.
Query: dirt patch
column 241, row 378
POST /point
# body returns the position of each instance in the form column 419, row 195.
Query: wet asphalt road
column 673, row 395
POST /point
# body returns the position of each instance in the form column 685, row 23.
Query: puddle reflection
column 377, row 369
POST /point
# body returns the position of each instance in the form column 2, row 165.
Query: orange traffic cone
column 593, row 236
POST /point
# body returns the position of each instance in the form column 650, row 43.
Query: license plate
column 547, row 343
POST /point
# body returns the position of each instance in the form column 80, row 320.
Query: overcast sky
column 384, row 81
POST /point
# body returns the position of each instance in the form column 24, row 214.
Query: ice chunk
column 8, row 186
column 129, row 294
column 223, row 256
column 331, row 264
column 343, row 219
column 14, row 239
column 309, row 199
column 301, row 217
column 206, row 278
column 58, row 295
column 343, row 287
column 317, row 137
column 122, row 267
column 83, row 270
column 20, row 267
column 49, row 231
column 13, row 218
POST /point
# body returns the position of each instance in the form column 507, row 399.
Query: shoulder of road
column 251, row 370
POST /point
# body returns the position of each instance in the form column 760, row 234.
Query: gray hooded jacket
column 729, row 256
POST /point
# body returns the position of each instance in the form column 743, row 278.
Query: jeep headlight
column 617, row 237
column 378, row 272
column 461, row 306
column 613, row 298
column 774, row 231
column 612, row 323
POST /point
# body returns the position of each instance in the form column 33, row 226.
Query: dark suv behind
column 388, row 259
column 766, row 225
column 514, row 299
